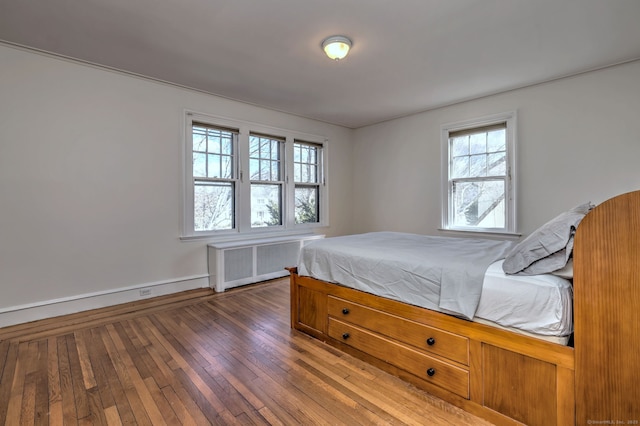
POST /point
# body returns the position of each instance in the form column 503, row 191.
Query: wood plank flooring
column 198, row 358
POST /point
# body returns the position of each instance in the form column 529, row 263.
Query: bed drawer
column 428, row 339
column 447, row 376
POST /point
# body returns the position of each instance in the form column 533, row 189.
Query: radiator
column 232, row 264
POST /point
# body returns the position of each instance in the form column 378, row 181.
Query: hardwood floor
column 198, row 358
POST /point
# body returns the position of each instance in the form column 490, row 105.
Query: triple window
column 242, row 178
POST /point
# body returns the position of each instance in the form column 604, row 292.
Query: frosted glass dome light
column 336, row 47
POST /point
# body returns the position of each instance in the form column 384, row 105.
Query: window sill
column 261, row 241
column 250, row 237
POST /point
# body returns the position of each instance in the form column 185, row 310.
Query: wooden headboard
column 607, row 313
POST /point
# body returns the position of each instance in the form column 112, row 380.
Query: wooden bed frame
column 505, row 377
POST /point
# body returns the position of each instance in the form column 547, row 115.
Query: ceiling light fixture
column 336, row 47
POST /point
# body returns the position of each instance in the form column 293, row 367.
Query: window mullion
column 244, row 182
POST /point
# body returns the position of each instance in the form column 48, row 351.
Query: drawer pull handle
column 345, row 311
column 345, row 336
column 431, row 372
column 431, row 341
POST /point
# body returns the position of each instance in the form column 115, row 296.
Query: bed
column 561, row 350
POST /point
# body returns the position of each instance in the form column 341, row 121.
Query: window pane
column 213, row 166
column 485, row 156
column 264, row 159
column 496, row 140
column 312, row 173
column 460, row 167
column 265, row 148
column 460, row 146
column 306, row 204
column 199, row 140
column 226, row 171
column 214, row 145
column 477, row 165
column 273, row 171
column 213, row 206
column 265, row 205
column 254, row 147
column 297, row 172
column 199, row 165
column 497, row 164
column 478, row 143
column 218, row 143
column 479, row 204
column 227, row 146
column 305, row 163
column 265, row 173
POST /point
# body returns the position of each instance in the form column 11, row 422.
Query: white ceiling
column 408, row 55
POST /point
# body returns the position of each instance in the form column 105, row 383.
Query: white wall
column 578, row 140
column 90, row 175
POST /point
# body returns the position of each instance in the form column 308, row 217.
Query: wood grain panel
column 521, row 387
column 565, row 381
column 476, row 393
column 314, row 314
column 607, row 312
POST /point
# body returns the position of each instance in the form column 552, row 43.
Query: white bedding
column 439, row 273
column 537, row 304
column 540, row 305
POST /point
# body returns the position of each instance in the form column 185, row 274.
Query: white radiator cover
column 236, row 263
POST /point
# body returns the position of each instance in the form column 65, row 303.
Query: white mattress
column 537, row 304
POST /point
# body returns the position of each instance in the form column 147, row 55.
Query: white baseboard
column 83, row 302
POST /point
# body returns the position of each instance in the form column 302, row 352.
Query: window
column 478, row 175
column 247, row 179
column 214, row 183
column 306, row 177
column 265, row 169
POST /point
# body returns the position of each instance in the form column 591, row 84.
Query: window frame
column 280, row 181
column 317, row 184
column 510, row 118
column 242, row 202
column 232, row 180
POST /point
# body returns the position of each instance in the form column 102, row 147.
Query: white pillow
column 549, row 247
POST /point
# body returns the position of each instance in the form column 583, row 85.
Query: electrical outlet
column 145, row 292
